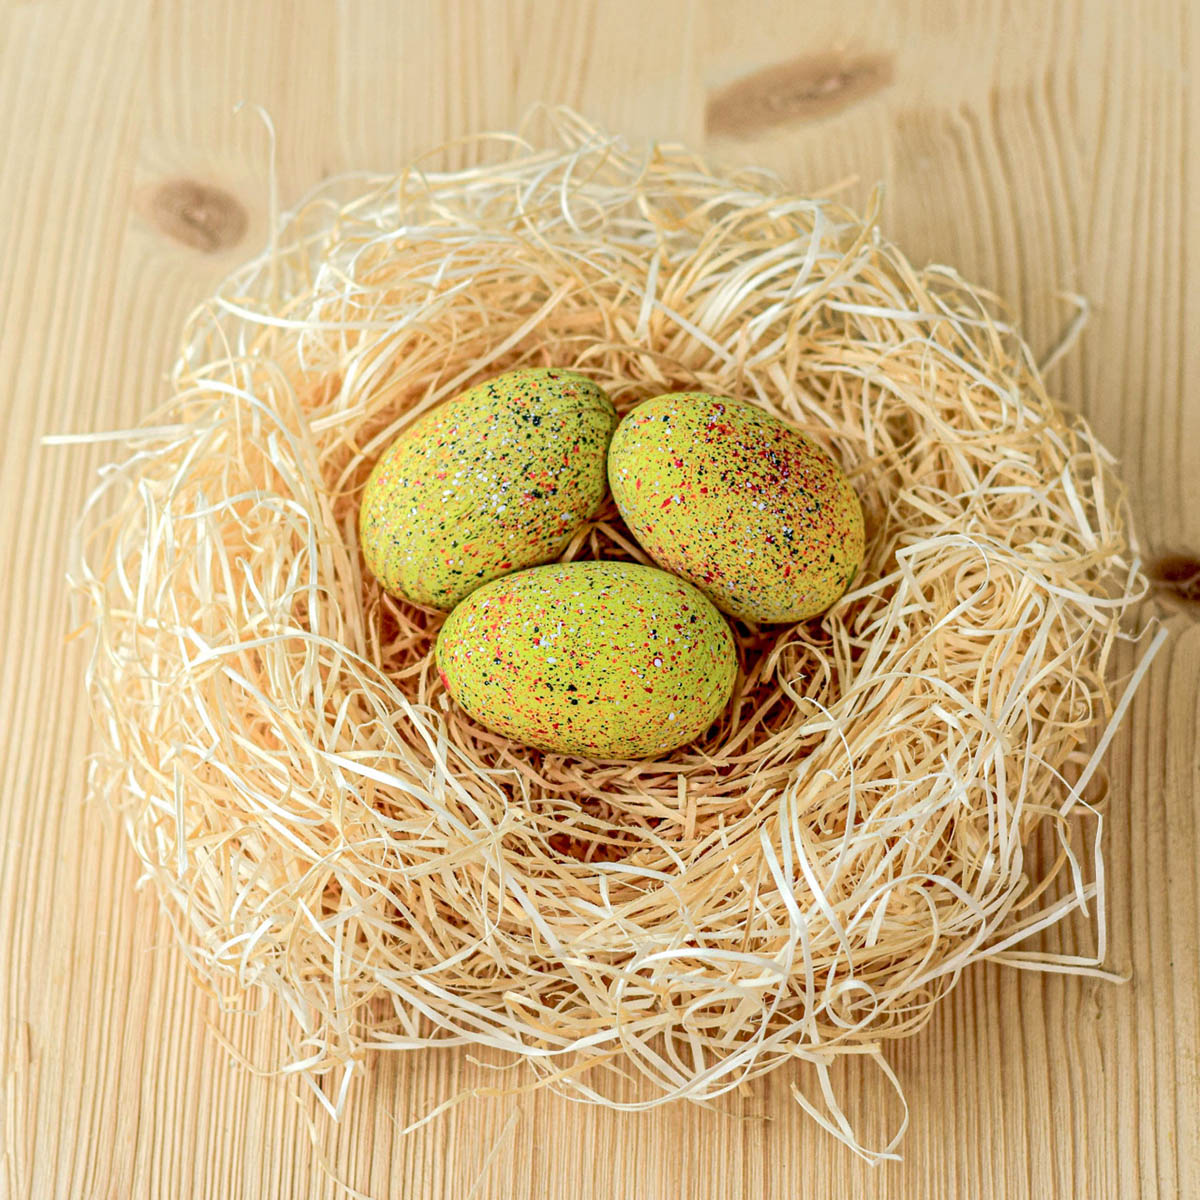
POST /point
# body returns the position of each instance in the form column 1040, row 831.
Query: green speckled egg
column 598, row 659
column 754, row 513
column 497, row 479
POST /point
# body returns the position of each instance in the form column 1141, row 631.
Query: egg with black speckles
column 753, row 512
column 595, row 659
column 499, row 478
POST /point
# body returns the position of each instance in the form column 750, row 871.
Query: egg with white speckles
column 596, row 659
column 754, row 513
column 499, row 478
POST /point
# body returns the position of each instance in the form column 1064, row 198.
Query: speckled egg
column 754, row 513
column 597, row 659
column 497, row 479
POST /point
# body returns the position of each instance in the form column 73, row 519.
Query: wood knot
column 803, row 88
column 1178, row 574
column 197, row 214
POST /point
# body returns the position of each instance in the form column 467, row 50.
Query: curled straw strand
column 806, row 881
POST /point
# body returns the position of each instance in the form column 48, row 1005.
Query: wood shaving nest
column 805, row 882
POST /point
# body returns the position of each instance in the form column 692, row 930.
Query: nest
column 805, row 882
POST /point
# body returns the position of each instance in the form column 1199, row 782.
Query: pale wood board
column 1037, row 145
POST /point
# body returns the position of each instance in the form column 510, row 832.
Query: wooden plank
column 1037, row 148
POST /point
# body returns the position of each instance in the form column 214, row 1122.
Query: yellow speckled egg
column 753, row 512
column 496, row 479
column 598, row 659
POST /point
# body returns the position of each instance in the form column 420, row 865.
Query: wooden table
column 1041, row 146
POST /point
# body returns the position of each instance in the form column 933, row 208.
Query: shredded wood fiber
column 809, row 879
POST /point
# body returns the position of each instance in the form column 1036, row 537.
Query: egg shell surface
column 753, row 512
column 596, row 659
column 497, row 479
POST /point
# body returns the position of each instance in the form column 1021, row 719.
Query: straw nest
column 804, row 882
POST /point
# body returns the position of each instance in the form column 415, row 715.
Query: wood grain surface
column 1041, row 146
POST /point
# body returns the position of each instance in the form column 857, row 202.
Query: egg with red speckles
column 595, row 659
column 753, row 512
column 499, row 478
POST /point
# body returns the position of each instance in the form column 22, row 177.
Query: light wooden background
column 1039, row 145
